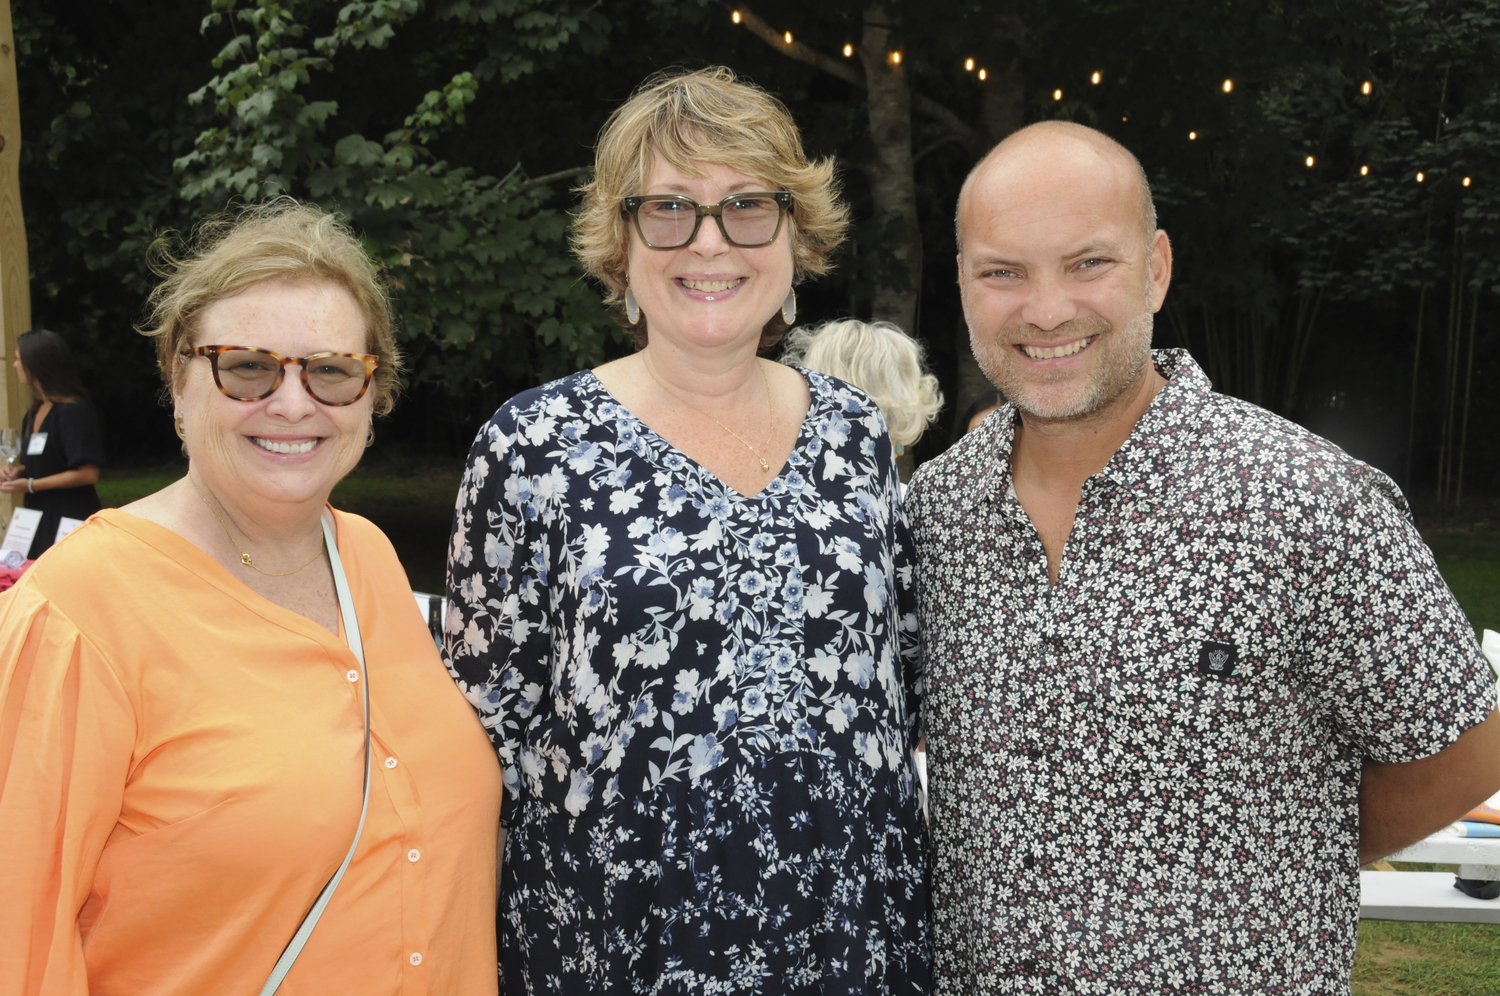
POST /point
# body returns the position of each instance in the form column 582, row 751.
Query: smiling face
column 709, row 293
column 1058, row 277
column 288, row 447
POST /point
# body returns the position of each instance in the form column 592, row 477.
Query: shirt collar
column 1143, row 464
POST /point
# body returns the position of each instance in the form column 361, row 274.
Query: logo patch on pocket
column 1217, row 660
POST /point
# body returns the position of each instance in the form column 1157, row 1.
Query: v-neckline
column 191, row 557
column 813, row 403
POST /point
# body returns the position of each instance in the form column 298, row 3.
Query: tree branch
column 802, row 53
column 964, row 134
column 796, row 50
column 562, row 174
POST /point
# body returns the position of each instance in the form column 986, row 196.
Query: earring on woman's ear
column 177, row 424
column 789, row 307
column 370, row 436
column 632, row 306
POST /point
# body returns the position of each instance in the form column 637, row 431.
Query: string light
column 1466, row 181
column 1229, row 86
column 1421, row 177
column 788, row 37
column 895, row 58
column 1364, row 171
column 1365, row 89
column 1125, row 118
column 735, row 17
column 848, row 51
column 1057, row 95
column 1309, row 160
column 1192, row 136
column 968, row 65
column 1094, row 79
column 982, row 74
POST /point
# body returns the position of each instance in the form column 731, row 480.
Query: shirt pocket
column 1180, row 719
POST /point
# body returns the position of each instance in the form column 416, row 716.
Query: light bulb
column 1366, row 88
column 1192, row 136
column 735, row 17
column 1057, row 95
column 1229, row 86
column 848, row 51
column 1421, row 177
column 1309, row 160
column 1466, row 181
column 1364, row 171
column 1094, row 79
column 968, row 65
column 895, row 58
column 982, row 74
column 788, row 37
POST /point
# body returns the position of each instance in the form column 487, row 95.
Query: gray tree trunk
column 892, row 182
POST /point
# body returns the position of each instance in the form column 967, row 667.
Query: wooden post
column 15, row 273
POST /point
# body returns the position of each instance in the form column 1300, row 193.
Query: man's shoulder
column 963, row 467
column 1240, row 444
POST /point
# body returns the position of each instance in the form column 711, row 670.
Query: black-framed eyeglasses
column 246, row 373
column 671, row 221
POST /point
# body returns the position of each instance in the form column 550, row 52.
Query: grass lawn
column 414, row 505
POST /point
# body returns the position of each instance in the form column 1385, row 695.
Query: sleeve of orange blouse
column 67, row 729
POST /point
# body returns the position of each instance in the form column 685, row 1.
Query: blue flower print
column 704, row 704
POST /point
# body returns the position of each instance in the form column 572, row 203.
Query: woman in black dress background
column 61, row 447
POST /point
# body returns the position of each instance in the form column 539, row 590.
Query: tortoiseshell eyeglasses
column 245, row 373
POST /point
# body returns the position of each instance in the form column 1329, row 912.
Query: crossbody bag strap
column 351, row 634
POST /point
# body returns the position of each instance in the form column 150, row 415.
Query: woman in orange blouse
column 182, row 731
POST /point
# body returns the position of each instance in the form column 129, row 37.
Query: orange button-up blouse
column 180, row 775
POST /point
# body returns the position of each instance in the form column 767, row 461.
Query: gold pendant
column 245, row 559
column 763, row 464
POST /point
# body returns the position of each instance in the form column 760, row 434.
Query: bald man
column 1188, row 664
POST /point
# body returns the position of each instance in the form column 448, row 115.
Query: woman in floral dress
column 680, row 601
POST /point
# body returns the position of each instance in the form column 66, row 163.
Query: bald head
column 1061, row 152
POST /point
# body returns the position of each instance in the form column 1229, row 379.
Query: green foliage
column 479, row 264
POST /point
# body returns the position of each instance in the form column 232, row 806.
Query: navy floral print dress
column 705, row 704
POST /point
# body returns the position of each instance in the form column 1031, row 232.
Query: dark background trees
column 1345, row 294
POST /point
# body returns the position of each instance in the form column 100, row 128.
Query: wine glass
column 10, row 445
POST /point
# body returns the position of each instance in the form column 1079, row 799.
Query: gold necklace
column 245, row 557
column 770, row 412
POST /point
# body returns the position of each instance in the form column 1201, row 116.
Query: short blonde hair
column 278, row 240
column 879, row 359
column 692, row 119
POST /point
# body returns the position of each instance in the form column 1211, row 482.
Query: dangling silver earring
column 632, row 306
column 789, row 307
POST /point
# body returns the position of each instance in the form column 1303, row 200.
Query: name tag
column 38, row 443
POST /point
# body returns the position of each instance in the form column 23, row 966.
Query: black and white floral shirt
column 1146, row 779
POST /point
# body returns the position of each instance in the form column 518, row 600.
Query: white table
column 1430, row 896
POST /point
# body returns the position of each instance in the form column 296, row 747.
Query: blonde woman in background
column 881, row 360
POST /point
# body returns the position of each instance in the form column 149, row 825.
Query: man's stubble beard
column 1127, row 352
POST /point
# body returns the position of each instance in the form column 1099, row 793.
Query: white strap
column 351, row 635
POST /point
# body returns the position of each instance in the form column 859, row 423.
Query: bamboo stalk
column 1463, row 434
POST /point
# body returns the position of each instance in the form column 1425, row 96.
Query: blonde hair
column 879, row 359
column 688, row 120
column 278, row 240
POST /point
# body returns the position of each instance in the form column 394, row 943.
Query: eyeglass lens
column 247, row 376
column 748, row 221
